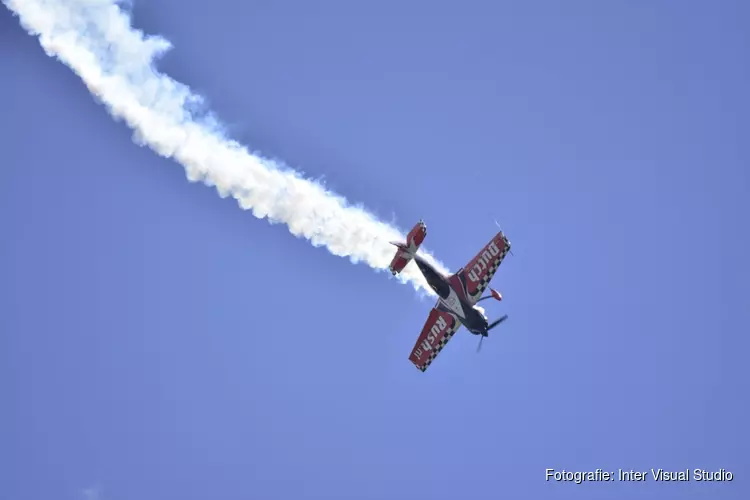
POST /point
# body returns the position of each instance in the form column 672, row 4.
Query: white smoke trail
column 95, row 39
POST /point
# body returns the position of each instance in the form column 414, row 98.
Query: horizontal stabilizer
column 406, row 251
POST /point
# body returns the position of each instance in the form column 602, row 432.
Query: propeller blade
column 479, row 347
column 497, row 322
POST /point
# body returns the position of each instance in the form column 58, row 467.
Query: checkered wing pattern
column 437, row 331
column 478, row 273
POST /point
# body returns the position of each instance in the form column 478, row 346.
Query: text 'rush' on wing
column 437, row 331
column 406, row 251
column 479, row 271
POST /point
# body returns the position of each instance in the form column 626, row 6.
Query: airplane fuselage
column 452, row 300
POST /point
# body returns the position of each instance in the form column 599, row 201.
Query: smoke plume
column 95, row 39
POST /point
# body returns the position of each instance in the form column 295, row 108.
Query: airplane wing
column 437, row 331
column 476, row 275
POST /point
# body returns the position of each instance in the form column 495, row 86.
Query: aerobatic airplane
column 457, row 294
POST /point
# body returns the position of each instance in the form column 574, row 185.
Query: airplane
column 458, row 293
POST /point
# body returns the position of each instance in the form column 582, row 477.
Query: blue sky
column 157, row 342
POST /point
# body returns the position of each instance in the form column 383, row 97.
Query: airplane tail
column 407, row 251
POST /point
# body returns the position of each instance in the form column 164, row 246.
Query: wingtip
column 421, row 368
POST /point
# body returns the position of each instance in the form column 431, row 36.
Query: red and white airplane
column 457, row 294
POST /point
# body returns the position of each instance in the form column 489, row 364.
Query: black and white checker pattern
column 439, row 347
column 485, row 281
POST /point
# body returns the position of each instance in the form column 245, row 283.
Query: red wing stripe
column 479, row 271
column 437, row 331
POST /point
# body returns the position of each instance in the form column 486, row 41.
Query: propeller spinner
column 490, row 327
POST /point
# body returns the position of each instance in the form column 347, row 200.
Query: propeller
column 497, row 322
column 492, row 325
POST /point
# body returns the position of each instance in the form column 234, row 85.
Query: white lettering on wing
column 434, row 333
column 483, row 261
